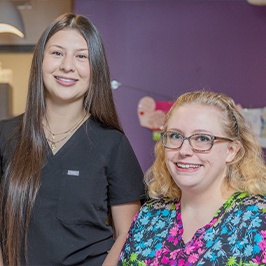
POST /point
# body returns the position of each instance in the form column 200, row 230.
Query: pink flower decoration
column 181, row 263
column 165, row 260
column 193, row 258
column 173, row 231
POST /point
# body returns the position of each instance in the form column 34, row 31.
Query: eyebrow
column 61, row 47
column 195, row 131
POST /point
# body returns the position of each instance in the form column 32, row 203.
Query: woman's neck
column 62, row 118
column 60, row 124
column 198, row 210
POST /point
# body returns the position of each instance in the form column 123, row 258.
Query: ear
column 232, row 150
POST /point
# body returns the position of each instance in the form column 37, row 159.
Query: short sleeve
column 125, row 177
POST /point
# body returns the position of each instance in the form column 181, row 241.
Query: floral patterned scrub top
column 235, row 236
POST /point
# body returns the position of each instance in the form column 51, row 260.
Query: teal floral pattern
column 235, row 236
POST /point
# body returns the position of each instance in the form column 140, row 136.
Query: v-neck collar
column 215, row 220
column 70, row 141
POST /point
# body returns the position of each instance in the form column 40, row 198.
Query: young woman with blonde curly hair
column 207, row 190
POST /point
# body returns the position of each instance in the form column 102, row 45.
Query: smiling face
column 198, row 171
column 66, row 67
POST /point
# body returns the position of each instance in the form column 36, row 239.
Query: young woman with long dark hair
column 70, row 181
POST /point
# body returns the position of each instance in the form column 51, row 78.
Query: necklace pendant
column 53, row 146
column 53, row 136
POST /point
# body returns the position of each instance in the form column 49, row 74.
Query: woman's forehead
column 195, row 116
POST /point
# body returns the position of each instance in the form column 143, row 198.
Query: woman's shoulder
column 157, row 211
column 8, row 133
column 107, row 138
column 249, row 198
column 251, row 202
column 11, row 122
column 8, row 125
column 162, row 203
column 100, row 129
column 255, row 200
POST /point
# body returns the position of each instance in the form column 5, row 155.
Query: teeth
column 186, row 166
column 65, row 80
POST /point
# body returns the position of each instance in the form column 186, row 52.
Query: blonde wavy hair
column 246, row 173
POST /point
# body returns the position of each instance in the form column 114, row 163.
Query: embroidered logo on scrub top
column 73, row 172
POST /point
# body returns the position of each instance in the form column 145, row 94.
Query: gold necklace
column 69, row 131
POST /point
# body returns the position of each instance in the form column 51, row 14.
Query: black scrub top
column 95, row 169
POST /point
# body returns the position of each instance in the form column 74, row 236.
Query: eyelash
column 82, row 56
column 56, row 53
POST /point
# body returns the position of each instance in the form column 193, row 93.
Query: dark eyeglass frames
column 198, row 142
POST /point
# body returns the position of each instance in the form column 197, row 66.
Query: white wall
column 19, row 63
column 36, row 19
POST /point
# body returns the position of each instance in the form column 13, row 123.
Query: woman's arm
column 122, row 218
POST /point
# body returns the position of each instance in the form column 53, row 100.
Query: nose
column 67, row 64
column 186, row 149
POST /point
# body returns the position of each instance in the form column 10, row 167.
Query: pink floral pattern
column 235, row 236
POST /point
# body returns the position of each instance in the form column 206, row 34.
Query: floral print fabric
column 235, row 236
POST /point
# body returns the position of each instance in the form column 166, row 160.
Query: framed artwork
column 257, row 119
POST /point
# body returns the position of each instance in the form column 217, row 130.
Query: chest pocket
column 82, row 197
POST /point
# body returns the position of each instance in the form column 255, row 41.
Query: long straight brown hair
column 21, row 178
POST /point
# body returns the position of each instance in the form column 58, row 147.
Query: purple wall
column 163, row 48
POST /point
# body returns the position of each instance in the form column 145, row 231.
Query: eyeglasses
column 198, row 142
